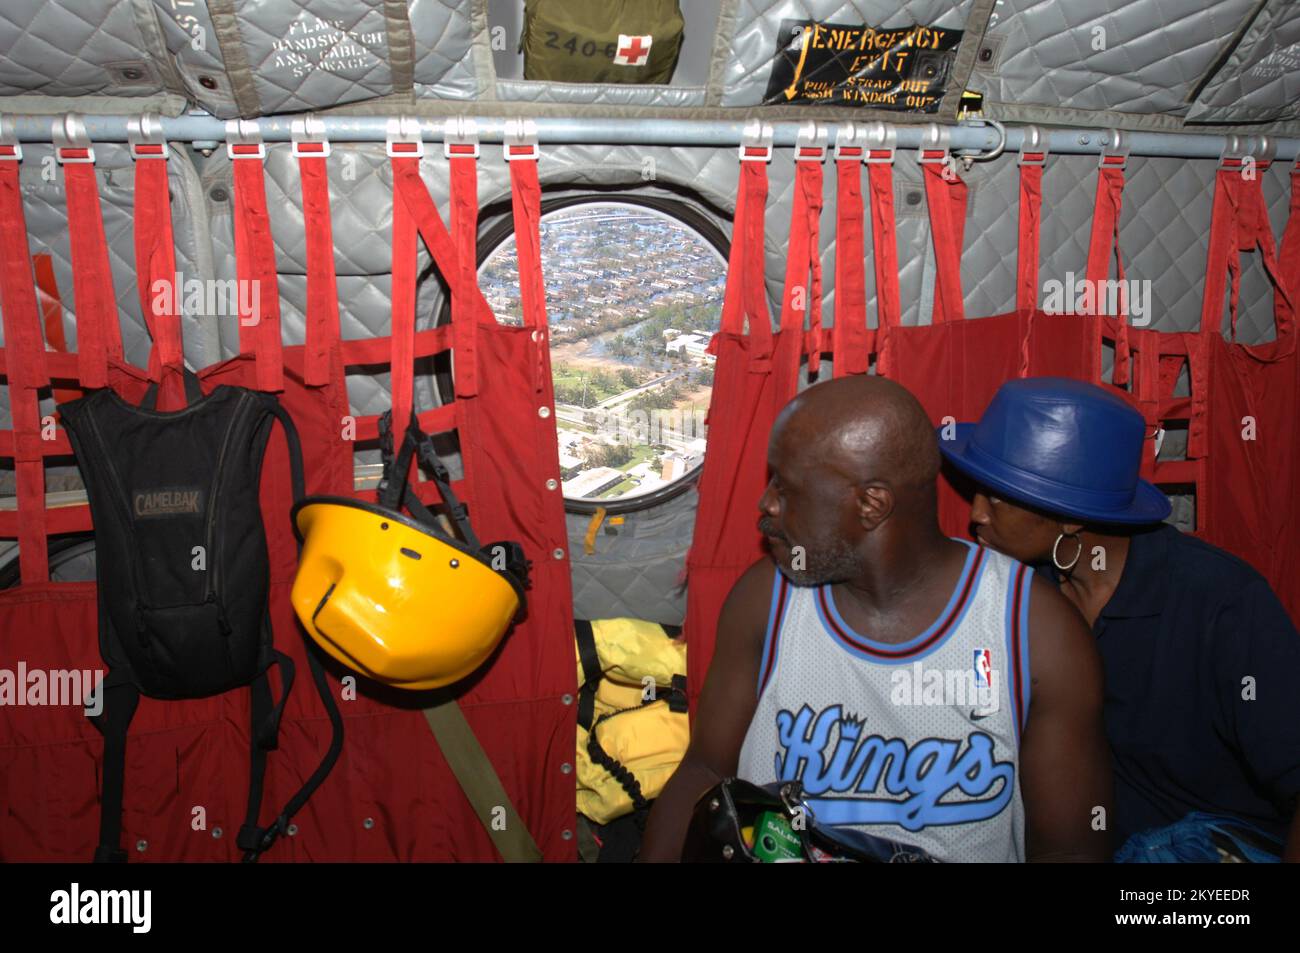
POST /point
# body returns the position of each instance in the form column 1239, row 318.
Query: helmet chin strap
column 393, row 486
column 505, row 556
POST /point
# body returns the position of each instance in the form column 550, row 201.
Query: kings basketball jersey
column 917, row 741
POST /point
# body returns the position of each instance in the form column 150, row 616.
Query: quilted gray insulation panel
column 1260, row 82
column 86, row 48
column 1127, row 56
column 239, row 57
column 1144, row 63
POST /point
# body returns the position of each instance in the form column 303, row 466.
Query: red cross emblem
column 632, row 50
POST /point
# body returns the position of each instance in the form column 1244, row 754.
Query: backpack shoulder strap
column 120, row 700
column 254, row 839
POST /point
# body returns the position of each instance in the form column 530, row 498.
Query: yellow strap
column 589, row 543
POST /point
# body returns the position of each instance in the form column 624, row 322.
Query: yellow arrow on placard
column 803, row 56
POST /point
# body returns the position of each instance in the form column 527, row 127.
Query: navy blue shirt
column 1190, row 634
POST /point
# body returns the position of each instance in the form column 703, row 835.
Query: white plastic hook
column 404, row 139
column 144, row 133
column 810, row 144
column 244, row 139
column 69, row 135
column 308, row 136
column 10, row 149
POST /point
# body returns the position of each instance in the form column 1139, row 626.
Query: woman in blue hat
column 1201, row 660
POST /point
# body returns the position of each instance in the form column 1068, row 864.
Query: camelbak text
column 168, row 502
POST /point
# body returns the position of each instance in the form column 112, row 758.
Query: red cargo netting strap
column 26, row 372
column 1102, row 243
column 322, row 333
column 259, row 333
column 1027, row 249
column 945, row 194
column 99, row 335
column 801, row 300
column 850, row 340
column 1250, row 506
column 157, row 281
column 884, row 242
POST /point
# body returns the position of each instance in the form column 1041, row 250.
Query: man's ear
column 875, row 503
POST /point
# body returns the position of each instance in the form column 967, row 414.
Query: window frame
column 500, row 231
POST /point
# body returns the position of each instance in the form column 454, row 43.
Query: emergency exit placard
column 842, row 64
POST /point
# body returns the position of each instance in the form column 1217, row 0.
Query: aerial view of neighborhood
column 633, row 297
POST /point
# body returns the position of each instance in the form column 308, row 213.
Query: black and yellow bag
column 601, row 41
column 632, row 715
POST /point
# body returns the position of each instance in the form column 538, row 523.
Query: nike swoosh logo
column 977, row 716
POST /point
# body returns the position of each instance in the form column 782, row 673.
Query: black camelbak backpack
column 183, row 573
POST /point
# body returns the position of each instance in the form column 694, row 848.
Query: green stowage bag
column 601, row 41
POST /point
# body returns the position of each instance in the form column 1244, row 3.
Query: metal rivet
column 293, row 830
column 142, row 845
column 383, row 526
column 986, row 54
column 543, row 412
column 567, row 699
column 567, row 835
column 552, row 483
column 207, row 82
column 1084, row 140
column 566, row 768
column 714, row 804
column 368, row 823
column 557, row 553
column 454, row 564
column 728, row 852
column 217, row 832
column 218, row 194
column 132, row 74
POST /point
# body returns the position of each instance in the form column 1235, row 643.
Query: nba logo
column 983, row 668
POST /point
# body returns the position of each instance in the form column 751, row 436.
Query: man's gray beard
column 835, row 563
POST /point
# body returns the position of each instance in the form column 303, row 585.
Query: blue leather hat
column 1060, row 445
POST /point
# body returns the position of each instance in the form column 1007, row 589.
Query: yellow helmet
column 396, row 598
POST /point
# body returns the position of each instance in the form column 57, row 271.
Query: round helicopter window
column 633, row 296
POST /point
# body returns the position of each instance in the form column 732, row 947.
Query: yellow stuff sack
column 632, row 720
column 634, row 754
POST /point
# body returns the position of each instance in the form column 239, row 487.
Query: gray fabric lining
column 225, row 22
column 485, row 73
column 167, row 104
column 401, row 47
column 727, row 14
column 976, row 23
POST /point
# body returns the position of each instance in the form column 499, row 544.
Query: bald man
column 921, row 688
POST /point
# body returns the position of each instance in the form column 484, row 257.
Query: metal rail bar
column 971, row 136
